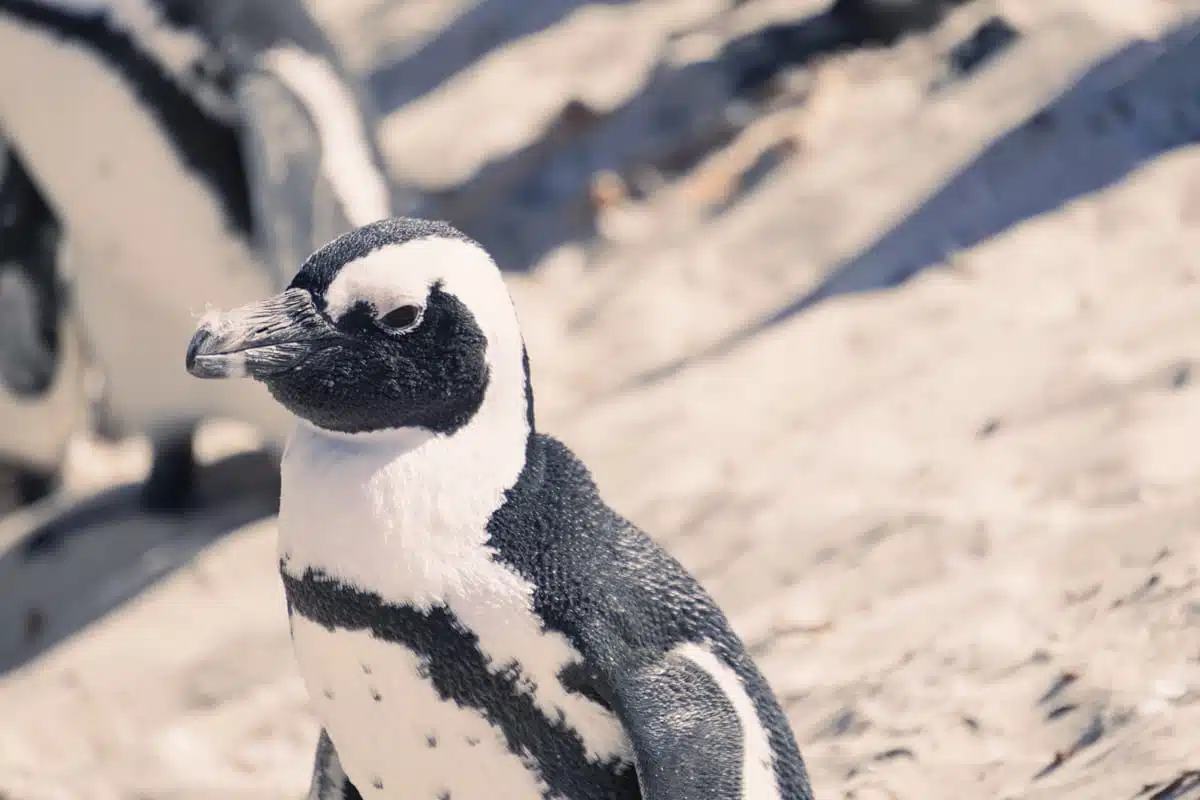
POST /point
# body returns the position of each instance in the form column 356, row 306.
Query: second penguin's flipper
column 306, row 130
column 294, row 205
column 684, row 712
column 27, row 359
column 30, row 288
column 329, row 781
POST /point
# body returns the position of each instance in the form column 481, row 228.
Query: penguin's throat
column 407, row 524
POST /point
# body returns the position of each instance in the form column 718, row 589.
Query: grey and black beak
column 260, row 339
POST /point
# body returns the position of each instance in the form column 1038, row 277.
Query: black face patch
column 205, row 144
column 432, row 377
column 458, row 670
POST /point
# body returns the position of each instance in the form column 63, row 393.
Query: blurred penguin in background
column 193, row 152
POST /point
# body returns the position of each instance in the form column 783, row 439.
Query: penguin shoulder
column 659, row 651
column 586, row 559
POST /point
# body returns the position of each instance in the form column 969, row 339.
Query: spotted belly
column 395, row 736
column 415, row 709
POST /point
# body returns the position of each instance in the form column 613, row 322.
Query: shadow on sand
column 526, row 203
column 1139, row 103
column 478, row 32
column 66, row 563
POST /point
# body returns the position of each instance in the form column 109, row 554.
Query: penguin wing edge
column 693, row 729
column 329, row 780
column 294, row 206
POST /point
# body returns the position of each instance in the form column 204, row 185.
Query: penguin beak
column 258, row 340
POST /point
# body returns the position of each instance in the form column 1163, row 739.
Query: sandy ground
column 954, row 520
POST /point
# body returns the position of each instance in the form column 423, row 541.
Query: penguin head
column 400, row 324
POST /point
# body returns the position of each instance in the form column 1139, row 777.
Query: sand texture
column 902, row 365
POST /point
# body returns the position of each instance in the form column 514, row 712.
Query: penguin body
column 41, row 367
column 469, row 616
column 193, row 151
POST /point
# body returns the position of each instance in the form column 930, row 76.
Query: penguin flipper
column 292, row 201
column 26, row 359
column 30, row 288
column 329, row 781
column 687, row 735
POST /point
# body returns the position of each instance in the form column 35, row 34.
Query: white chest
column 411, row 529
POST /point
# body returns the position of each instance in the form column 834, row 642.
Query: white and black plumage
column 194, row 151
column 470, row 618
column 41, row 367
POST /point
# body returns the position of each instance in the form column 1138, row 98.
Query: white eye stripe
column 393, row 275
column 379, row 298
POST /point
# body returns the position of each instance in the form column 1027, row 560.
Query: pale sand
column 955, row 521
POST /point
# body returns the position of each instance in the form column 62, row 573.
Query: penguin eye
column 402, row 318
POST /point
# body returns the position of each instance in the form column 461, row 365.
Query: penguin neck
column 403, row 513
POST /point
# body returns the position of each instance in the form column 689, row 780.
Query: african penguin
column 42, row 400
column 194, row 150
column 470, row 618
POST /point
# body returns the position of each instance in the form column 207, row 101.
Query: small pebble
column 988, row 428
column 1181, row 378
column 990, row 39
